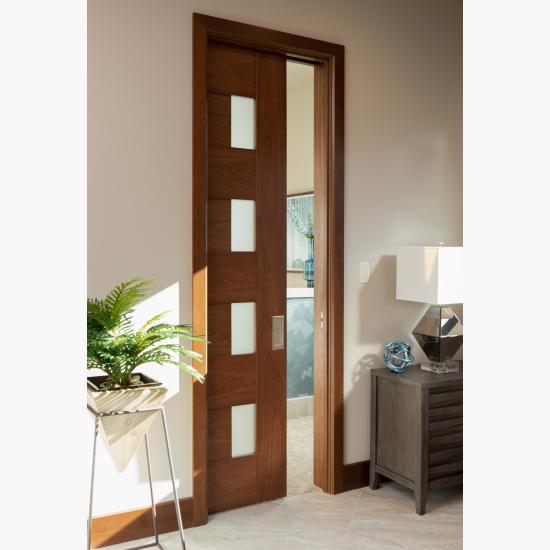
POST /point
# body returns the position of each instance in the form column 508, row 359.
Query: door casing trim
column 328, row 387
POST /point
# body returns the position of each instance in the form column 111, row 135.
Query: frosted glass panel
column 243, row 328
column 242, row 122
column 299, row 350
column 243, row 430
column 243, row 228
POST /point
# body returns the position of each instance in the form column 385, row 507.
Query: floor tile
column 362, row 519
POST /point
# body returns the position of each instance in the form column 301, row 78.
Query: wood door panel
column 231, row 277
column 231, row 173
column 271, row 240
column 219, row 434
column 231, row 483
column 231, row 381
column 219, row 225
column 236, row 277
column 219, row 331
column 231, row 70
column 219, row 120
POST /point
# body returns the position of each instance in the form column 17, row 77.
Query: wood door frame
column 329, row 161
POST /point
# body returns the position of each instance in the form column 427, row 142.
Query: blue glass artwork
column 397, row 356
column 309, row 265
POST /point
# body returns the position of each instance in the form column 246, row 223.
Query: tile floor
column 363, row 519
column 299, row 439
column 360, row 519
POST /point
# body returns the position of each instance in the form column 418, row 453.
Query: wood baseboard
column 356, row 475
column 138, row 524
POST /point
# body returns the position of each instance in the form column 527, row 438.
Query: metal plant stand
column 153, row 509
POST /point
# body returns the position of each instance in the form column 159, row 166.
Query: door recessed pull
column 278, row 332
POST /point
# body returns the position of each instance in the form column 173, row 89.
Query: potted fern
column 117, row 349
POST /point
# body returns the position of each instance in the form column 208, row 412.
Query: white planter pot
column 122, row 434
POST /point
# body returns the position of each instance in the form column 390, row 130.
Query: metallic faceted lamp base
column 439, row 334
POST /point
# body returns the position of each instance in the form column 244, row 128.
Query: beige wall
column 295, row 279
column 402, row 162
column 299, row 124
column 300, row 142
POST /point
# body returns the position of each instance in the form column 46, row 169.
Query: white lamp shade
column 430, row 274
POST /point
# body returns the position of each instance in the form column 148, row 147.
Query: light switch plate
column 364, row 272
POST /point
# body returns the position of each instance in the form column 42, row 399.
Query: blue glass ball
column 398, row 356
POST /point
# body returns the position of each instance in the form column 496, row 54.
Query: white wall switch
column 364, row 272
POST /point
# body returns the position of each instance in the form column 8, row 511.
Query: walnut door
column 246, row 277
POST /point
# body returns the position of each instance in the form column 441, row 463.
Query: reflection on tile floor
column 363, row 519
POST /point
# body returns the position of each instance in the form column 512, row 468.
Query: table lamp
column 433, row 275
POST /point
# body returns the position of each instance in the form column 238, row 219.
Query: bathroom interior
column 300, row 280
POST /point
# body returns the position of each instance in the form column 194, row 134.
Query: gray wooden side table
column 416, row 430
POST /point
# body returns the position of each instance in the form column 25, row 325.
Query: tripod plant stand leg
column 176, row 501
column 92, row 484
column 153, row 508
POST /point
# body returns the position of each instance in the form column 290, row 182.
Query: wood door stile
column 271, row 299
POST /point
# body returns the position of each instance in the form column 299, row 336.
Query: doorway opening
column 300, row 275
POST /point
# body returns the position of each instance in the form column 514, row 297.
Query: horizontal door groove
column 231, row 380
column 231, row 173
column 231, row 70
column 231, row 277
